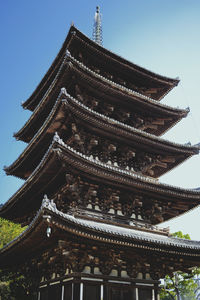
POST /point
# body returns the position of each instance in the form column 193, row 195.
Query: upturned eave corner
column 73, row 31
column 74, row 67
column 61, row 157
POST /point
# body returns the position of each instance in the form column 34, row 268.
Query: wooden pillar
column 156, row 293
column 153, row 295
column 102, row 292
column 63, row 290
column 136, row 294
column 72, row 290
column 76, row 291
column 105, row 291
column 81, row 291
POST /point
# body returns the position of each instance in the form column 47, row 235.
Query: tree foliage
column 181, row 285
column 10, row 288
column 8, row 231
column 181, row 235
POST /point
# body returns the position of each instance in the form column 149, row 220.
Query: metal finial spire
column 97, row 29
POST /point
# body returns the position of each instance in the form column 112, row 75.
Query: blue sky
column 162, row 36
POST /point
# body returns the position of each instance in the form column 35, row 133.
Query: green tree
column 10, row 287
column 181, row 285
column 181, row 235
column 8, row 231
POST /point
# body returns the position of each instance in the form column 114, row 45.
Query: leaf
column 184, row 283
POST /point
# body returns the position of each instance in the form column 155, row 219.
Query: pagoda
column 92, row 198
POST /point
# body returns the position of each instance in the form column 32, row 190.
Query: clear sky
column 162, row 36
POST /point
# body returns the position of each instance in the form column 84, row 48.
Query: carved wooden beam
column 158, row 122
column 168, row 159
column 148, row 125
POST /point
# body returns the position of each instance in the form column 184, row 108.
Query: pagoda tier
column 94, row 149
column 106, row 64
column 105, row 97
column 60, row 249
column 89, row 186
column 120, row 145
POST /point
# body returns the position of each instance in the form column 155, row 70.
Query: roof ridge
column 113, row 121
column 39, row 132
column 150, row 182
column 122, row 87
column 43, row 98
column 176, row 79
column 63, row 92
column 129, row 92
column 132, row 174
column 49, row 205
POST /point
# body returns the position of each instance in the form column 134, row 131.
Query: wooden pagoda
column 91, row 198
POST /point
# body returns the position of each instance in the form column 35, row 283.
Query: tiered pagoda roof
column 67, row 226
column 89, row 104
column 94, row 148
column 75, row 77
column 50, row 175
column 58, row 120
column 79, row 46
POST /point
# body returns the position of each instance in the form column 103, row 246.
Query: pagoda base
column 82, row 286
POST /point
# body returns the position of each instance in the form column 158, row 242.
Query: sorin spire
column 97, row 29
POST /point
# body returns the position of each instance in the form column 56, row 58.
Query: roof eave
column 108, row 234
